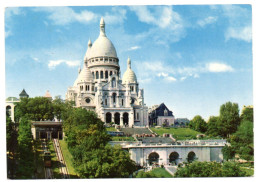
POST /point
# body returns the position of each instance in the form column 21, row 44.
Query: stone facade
column 100, row 88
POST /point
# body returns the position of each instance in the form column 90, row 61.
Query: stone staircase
column 171, row 169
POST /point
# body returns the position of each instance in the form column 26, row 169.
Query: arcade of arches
column 174, row 158
column 117, row 118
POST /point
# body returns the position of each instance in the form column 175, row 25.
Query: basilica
column 99, row 86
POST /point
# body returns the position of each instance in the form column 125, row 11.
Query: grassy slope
column 178, row 133
column 68, row 158
column 161, row 172
column 111, row 129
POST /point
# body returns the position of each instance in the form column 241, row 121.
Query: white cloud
column 118, row 15
column 218, row 67
column 53, row 63
column 169, row 73
column 241, row 33
column 66, row 15
column 167, row 77
column 134, row 48
column 206, row 21
column 168, row 24
column 240, row 23
column 9, row 13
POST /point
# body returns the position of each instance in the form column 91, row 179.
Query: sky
column 193, row 58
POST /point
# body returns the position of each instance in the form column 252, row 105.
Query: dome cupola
column 129, row 75
column 102, row 47
column 84, row 75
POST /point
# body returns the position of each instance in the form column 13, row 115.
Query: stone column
column 113, row 117
column 121, row 119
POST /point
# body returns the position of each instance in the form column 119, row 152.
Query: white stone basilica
column 100, row 88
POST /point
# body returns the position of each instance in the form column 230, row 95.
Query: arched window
column 122, row 102
column 93, row 74
column 101, row 75
column 86, row 87
column 105, row 101
column 97, row 75
column 111, row 73
column 137, row 116
column 114, row 97
column 106, row 74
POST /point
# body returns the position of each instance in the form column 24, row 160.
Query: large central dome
column 102, row 47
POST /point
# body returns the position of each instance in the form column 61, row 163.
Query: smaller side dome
column 84, row 76
column 129, row 75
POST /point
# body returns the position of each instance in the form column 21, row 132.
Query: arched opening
column 191, row 157
column 101, row 74
column 97, row 75
column 93, row 74
column 173, row 158
column 153, row 158
column 111, row 73
column 106, row 74
column 125, row 118
column 108, row 117
column 114, row 97
column 117, row 118
column 8, row 110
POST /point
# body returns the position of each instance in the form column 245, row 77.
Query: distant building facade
column 160, row 116
column 99, row 87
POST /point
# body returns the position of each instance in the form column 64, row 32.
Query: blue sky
column 191, row 57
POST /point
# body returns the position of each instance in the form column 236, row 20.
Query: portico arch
column 173, row 158
column 125, row 118
column 153, row 158
column 108, row 117
column 191, row 156
column 117, row 118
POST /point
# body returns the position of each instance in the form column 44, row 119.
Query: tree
column 247, row 114
column 243, row 140
column 25, row 162
column 198, row 124
column 232, row 169
column 228, row 152
column 9, row 132
column 228, row 119
column 210, row 169
column 38, row 108
column 212, row 126
column 87, row 140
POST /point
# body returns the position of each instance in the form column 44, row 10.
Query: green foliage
column 247, row 114
column 87, row 141
column 232, row 169
column 242, row 140
column 210, row 169
column 228, row 119
column 228, row 152
column 26, row 155
column 9, row 132
column 198, row 124
column 212, row 129
column 38, row 108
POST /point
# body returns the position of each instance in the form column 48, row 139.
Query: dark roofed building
column 161, row 115
column 23, row 94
